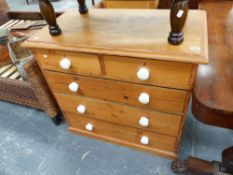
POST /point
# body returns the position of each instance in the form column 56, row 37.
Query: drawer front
column 120, row 114
column 79, row 63
column 159, row 73
column 120, row 134
column 129, row 4
column 160, row 99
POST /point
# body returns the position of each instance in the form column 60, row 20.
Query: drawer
column 120, row 114
column 74, row 62
column 139, row 4
column 159, row 73
column 136, row 138
column 156, row 98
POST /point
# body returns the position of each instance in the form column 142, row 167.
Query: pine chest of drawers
column 117, row 79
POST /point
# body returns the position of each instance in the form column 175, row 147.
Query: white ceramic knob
column 144, row 98
column 81, row 109
column 143, row 74
column 65, row 63
column 144, row 121
column 144, row 140
column 89, row 127
column 73, row 87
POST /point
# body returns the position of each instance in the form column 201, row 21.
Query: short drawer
column 153, row 72
column 144, row 140
column 70, row 62
column 121, row 114
column 150, row 97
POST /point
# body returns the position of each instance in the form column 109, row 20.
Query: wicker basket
column 19, row 55
column 4, row 37
column 5, row 58
column 34, row 92
column 19, row 92
column 40, row 88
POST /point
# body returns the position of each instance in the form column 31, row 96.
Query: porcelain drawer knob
column 73, row 87
column 144, row 121
column 81, row 109
column 89, row 127
column 65, row 63
column 144, row 140
column 143, row 74
column 144, row 98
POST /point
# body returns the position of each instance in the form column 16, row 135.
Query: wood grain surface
column 80, row 63
column 162, row 73
column 161, row 99
column 162, row 123
column 213, row 91
column 129, row 4
column 106, row 48
column 165, row 4
column 158, row 144
column 116, row 32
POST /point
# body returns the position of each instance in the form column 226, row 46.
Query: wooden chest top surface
column 133, row 33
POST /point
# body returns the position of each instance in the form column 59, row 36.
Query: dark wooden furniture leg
column 178, row 15
column 57, row 119
column 227, row 159
column 202, row 167
column 165, row 4
column 82, row 6
column 49, row 15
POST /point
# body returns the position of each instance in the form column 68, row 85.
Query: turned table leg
column 178, row 15
column 49, row 15
column 227, row 159
column 192, row 165
column 202, row 167
column 82, row 6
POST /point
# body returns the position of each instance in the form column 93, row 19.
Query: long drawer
column 149, row 97
column 79, row 63
column 147, row 141
column 121, row 114
column 153, row 72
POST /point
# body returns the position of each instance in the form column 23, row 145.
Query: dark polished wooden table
column 212, row 101
column 213, row 91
